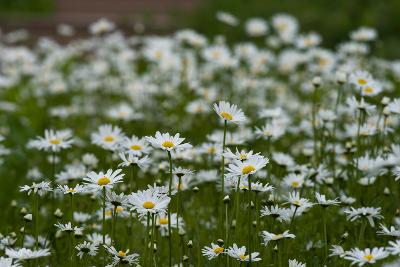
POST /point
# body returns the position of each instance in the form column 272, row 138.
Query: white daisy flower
column 370, row 213
column 27, row 254
column 229, row 112
column 149, row 201
column 240, row 254
column 86, row 248
column 65, row 189
column 37, row 188
column 134, row 145
column 167, row 142
column 247, row 167
column 53, row 141
column 267, row 236
column 366, row 256
column 213, row 251
column 122, row 257
column 97, row 181
column 132, row 159
column 107, row 137
column 394, row 247
column 295, row 263
column 321, row 199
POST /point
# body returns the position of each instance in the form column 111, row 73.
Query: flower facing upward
column 229, row 112
column 167, row 142
column 107, row 137
column 149, row 201
column 96, row 181
column 295, row 263
column 52, row 141
column 247, row 167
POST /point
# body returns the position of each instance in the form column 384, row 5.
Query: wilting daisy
column 247, row 167
column 131, row 160
column 149, row 201
column 321, row 199
column 337, row 250
column 167, row 142
column 67, row 227
column 240, row 254
column 267, row 236
column 108, row 137
column 122, row 257
column 52, row 141
column 297, row 201
column 86, row 248
column 229, row 112
column 391, row 231
column 368, row 212
column 366, row 256
column 394, row 247
column 213, row 251
column 37, row 188
column 27, row 254
column 97, row 181
column 280, row 214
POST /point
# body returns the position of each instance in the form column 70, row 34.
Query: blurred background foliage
column 333, row 20
column 26, row 7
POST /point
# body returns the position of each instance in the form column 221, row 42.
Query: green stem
column 249, row 219
column 169, row 210
column 237, row 203
column 37, row 221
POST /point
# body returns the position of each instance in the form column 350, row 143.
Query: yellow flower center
column 168, row 144
column 108, row 213
column 278, row 236
column 103, row 181
column 119, row 209
column 226, row 116
column 121, row 254
column 368, row 90
column 362, row 81
column 218, row 250
column 148, row 205
column 243, row 156
column 136, row 147
column 369, row 257
column 163, row 221
column 108, row 138
column 211, row 150
column 243, row 257
column 71, row 190
column 55, row 142
column 296, row 203
column 248, row 169
column 295, row 184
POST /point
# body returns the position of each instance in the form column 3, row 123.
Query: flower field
column 187, row 150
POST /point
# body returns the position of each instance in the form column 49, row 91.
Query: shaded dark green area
column 26, row 7
column 332, row 19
